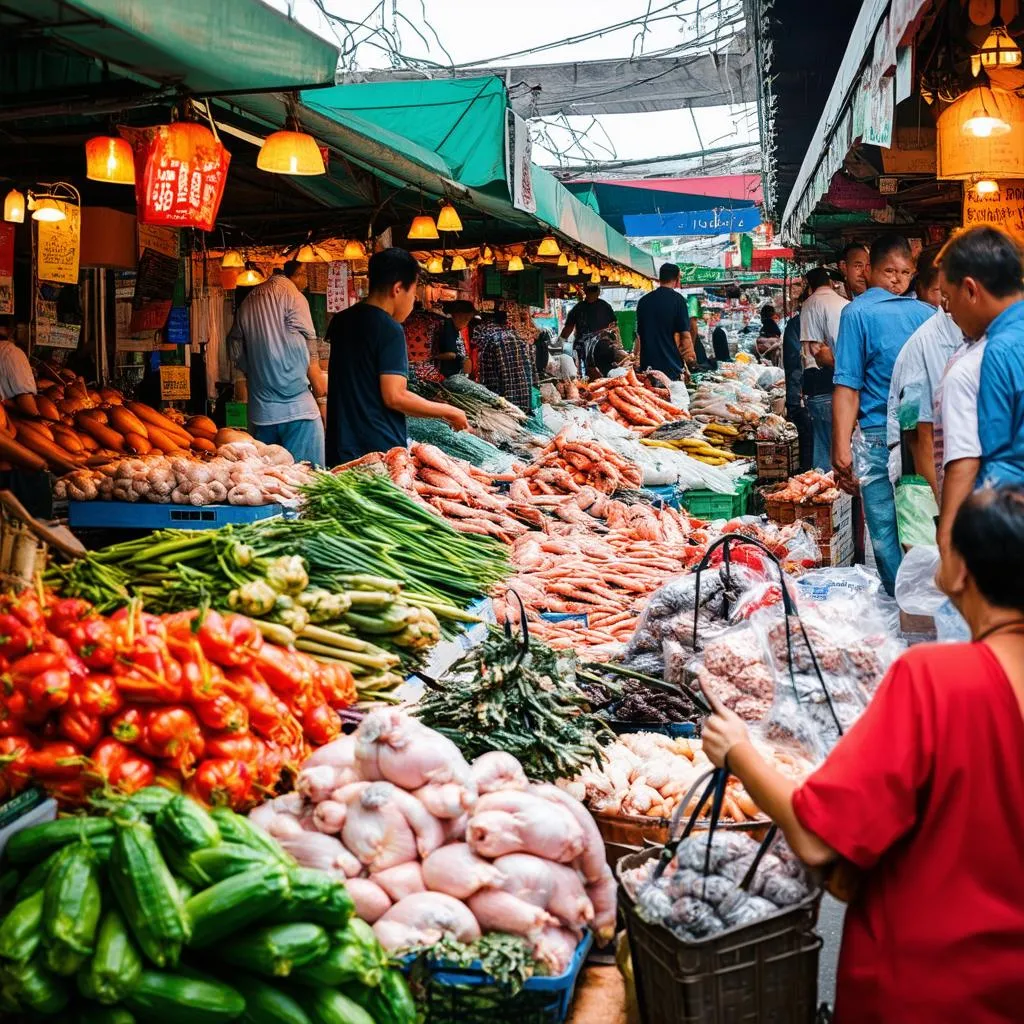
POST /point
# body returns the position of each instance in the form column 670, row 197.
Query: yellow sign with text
column 174, row 384
column 59, row 244
column 1004, row 208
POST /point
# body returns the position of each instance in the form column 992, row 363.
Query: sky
column 488, row 30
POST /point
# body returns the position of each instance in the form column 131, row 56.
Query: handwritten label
column 1004, row 208
column 6, row 268
column 174, row 383
column 59, row 245
column 162, row 240
column 337, row 286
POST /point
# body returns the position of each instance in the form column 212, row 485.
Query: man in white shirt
column 819, row 326
column 916, row 376
column 16, row 377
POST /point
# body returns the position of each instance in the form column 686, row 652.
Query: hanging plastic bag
column 916, row 511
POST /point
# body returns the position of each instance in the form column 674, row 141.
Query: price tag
column 174, row 383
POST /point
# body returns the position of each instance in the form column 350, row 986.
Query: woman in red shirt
column 925, row 795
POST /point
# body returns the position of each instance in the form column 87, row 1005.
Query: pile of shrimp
column 568, row 463
column 634, row 401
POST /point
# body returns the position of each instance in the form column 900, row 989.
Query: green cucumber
column 234, row 903
column 276, row 950
column 163, row 998
column 36, row 843
column 21, row 930
column 268, row 1004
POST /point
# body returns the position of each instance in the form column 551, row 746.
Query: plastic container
column 674, row 730
column 142, row 515
column 710, row 505
column 469, row 996
column 765, row 971
column 666, row 495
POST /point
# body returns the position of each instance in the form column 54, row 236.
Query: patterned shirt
column 505, row 364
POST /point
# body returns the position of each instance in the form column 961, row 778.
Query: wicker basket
column 765, row 971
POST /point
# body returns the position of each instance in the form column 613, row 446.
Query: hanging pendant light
column 595, row 278
column 548, row 246
column 563, row 260
column 232, row 260
column 986, row 187
column 250, row 276
column 14, row 207
column 306, row 254
column 47, row 210
column 291, row 151
column 573, row 269
column 435, row 265
column 515, row 263
column 486, row 257
column 458, row 262
column 997, row 51
column 423, row 227
column 354, row 251
column 109, row 158
column 448, row 219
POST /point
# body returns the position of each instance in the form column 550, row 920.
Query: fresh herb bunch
column 520, row 697
column 508, row 959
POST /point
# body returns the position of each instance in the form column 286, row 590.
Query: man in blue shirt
column 872, row 330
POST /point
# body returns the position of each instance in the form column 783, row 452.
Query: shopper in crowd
column 916, row 376
column 586, row 320
column 273, row 343
column 452, row 357
column 505, row 362
column 982, row 278
column 853, row 265
column 607, row 354
column 720, row 344
column 923, row 796
column 769, row 339
column 792, row 364
column 819, row 328
column 664, row 341
column 368, row 396
column 872, row 330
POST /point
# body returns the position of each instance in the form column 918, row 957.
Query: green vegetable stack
column 163, row 912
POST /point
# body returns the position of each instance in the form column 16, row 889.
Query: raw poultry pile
column 239, row 473
column 433, row 847
column 635, row 402
column 645, row 774
column 811, row 487
column 699, row 893
column 152, row 909
column 570, row 461
column 121, row 701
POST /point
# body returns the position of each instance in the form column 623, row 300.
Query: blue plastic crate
column 542, row 1000
column 674, row 730
column 668, row 495
column 141, row 515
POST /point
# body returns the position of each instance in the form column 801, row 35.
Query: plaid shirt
column 505, row 364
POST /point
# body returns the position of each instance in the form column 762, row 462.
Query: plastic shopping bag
column 915, row 511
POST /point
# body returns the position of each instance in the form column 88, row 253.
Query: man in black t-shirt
column 587, row 319
column 451, row 354
column 367, row 385
column 663, row 327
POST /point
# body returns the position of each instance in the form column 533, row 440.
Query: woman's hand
column 722, row 731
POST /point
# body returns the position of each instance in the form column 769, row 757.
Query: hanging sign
column 58, row 244
column 1004, row 208
column 6, row 268
column 337, row 286
column 154, row 291
column 174, row 383
column 719, row 221
column 180, row 173
column 518, row 162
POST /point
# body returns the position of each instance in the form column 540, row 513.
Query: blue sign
column 178, row 331
column 719, row 221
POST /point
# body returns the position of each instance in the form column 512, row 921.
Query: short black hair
column 817, row 277
column 844, row 256
column 290, row 267
column 668, row 272
column 927, row 268
column 989, row 255
column 591, row 287
column 889, row 244
column 461, row 306
column 390, row 267
column 988, row 533
column 767, row 311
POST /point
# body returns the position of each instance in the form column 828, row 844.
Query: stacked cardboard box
column 833, row 524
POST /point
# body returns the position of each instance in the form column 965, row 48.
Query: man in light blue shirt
column 872, row 331
column 1001, row 398
column 273, row 342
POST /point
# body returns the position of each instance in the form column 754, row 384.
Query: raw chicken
column 555, row 947
column 423, row 919
column 602, row 894
column 592, row 861
column 370, row 899
column 329, row 816
column 289, row 805
column 511, row 822
column 455, row 829
column 317, row 783
column 552, row 887
column 339, row 753
column 385, row 826
column 499, row 911
column 314, row 849
column 497, row 770
column 447, row 799
column 456, row 870
column 390, row 745
column 401, row 881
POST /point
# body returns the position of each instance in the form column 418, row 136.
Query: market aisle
column 600, row 997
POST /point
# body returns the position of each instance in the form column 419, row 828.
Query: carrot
column 153, row 418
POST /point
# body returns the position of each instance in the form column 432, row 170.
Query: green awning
column 204, row 45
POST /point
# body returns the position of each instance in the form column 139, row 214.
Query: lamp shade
column 14, row 207
column 486, row 257
column 422, row 227
column 250, row 276
column 354, row 251
column 563, row 260
column 981, row 134
column 435, row 265
column 306, row 254
column 232, row 260
column 448, row 219
column 48, row 211
column 595, row 278
column 999, row 50
column 515, row 263
column 289, row 152
column 548, row 246
column 458, row 263
column 573, row 269
column 109, row 158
